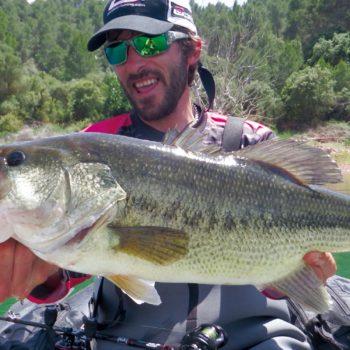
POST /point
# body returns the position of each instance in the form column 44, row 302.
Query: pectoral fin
column 159, row 245
column 140, row 291
column 305, row 288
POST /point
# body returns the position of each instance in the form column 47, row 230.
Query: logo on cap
column 117, row 3
column 182, row 12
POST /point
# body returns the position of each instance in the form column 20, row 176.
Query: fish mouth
column 73, row 241
column 79, row 237
column 74, row 238
column 84, row 234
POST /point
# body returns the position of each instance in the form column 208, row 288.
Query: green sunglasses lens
column 145, row 45
column 149, row 46
column 116, row 53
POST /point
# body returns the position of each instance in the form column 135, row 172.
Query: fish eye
column 15, row 158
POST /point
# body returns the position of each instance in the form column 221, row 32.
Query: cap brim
column 141, row 24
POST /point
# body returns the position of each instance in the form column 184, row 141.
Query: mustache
column 144, row 74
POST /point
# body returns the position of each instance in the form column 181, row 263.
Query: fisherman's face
column 154, row 84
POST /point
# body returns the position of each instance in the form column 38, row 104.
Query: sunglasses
column 145, row 46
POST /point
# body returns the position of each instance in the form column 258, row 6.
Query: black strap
column 95, row 301
column 208, row 82
column 193, row 290
column 232, row 137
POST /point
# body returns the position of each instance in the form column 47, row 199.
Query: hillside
column 282, row 62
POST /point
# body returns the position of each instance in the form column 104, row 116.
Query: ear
column 196, row 52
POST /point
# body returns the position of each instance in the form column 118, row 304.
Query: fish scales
column 130, row 209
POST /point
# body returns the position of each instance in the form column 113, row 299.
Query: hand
column 323, row 264
column 21, row 270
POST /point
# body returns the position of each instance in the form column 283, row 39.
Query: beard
column 147, row 109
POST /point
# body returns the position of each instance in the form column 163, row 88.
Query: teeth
column 145, row 83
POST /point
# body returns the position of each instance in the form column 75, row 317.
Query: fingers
column 323, row 264
column 28, row 271
column 42, row 271
column 20, row 270
column 7, row 249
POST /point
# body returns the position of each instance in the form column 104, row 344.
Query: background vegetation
column 282, row 62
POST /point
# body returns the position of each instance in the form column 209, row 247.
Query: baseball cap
column 153, row 17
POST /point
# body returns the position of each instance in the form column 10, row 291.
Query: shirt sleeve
column 254, row 133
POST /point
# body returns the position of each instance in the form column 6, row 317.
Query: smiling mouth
column 145, row 85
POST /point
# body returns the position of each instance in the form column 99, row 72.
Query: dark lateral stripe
column 192, row 306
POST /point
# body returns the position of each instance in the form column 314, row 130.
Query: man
column 154, row 49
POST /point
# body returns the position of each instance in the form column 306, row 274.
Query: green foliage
column 308, row 95
column 5, row 35
column 3, row 25
column 285, row 58
column 10, row 123
column 88, row 101
column 310, row 20
column 341, row 110
column 333, row 51
column 11, row 81
column 277, row 14
column 346, row 142
column 276, row 61
column 116, row 102
column 79, row 61
column 341, row 74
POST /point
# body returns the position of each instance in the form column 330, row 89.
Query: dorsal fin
column 302, row 163
column 184, row 139
column 305, row 164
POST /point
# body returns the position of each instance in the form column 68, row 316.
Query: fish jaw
column 46, row 239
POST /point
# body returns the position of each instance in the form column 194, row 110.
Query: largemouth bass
column 137, row 211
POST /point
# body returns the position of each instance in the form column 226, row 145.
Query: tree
column 79, row 61
column 285, row 57
column 3, row 25
column 239, row 54
column 277, row 12
column 313, row 19
column 341, row 110
column 333, row 50
column 308, row 95
column 36, row 102
column 87, row 101
column 264, row 104
column 116, row 102
column 11, row 82
column 5, row 35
